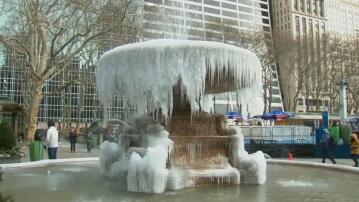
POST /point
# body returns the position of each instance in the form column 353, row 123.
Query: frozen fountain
column 180, row 144
column 192, row 148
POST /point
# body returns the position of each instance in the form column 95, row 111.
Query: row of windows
column 309, row 23
column 315, row 7
column 63, row 104
column 229, row 10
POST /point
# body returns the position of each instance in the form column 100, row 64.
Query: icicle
column 156, row 66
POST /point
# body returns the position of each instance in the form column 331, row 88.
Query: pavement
column 63, row 152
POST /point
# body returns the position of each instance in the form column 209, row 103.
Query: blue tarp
column 235, row 115
column 275, row 115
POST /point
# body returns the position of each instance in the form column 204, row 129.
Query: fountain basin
column 72, row 180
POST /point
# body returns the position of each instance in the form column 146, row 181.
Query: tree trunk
column 33, row 110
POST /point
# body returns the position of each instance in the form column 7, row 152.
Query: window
column 308, row 6
column 297, row 26
column 212, row 10
column 295, row 5
column 310, row 28
column 245, row 17
column 314, row 6
column 229, row 14
column 229, row 6
column 246, row 2
column 211, row 2
column 321, row 8
column 264, row 13
column 302, row 5
column 276, row 100
column 304, row 21
column 300, row 102
column 194, row 7
column 245, row 9
column 317, row 28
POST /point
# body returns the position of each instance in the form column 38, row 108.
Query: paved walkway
column 81, row 152
column 63, row 152
column 346, row 162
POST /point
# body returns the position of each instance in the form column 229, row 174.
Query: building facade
column 228, row 21
column 304, row 30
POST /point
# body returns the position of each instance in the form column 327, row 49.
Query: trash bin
column 345, row 132
column 335, row 134
column 36, row 151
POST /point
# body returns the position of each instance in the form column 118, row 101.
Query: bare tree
column 313, row 69
column 51, row 33
column 288, row 54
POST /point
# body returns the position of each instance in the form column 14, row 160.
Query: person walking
column 52, row 140
column 327, row 142
column 89, row 141
column 73, row 139
column 354, row 141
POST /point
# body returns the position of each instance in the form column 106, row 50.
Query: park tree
column 288, row 53
column 341, row 58
column 50, row 34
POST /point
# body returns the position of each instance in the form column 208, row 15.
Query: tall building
column 302, row 29
column 343, row 17
column 216, row 20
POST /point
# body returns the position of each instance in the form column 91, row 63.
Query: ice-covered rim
column 174, row 43
column 96, row 159
column 146, row 72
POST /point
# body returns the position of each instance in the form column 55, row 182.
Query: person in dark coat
column 327, row 142
column 73, row 139
column 89, row 141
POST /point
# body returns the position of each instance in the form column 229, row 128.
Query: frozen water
column 252, row 167
column 140, row 158
column 146, row 72
column 141, row 168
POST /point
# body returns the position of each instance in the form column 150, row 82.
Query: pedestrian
column 89, row 141
column 73, row 139
column 52, row 139
column 327, row 142
column 354, row 142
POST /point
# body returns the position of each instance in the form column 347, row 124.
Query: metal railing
column 278, row 134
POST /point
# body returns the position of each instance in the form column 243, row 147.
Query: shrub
column 7, row 137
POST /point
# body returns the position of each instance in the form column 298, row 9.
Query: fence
column 278, row 134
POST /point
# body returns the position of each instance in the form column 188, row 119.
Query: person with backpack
column 327, row 143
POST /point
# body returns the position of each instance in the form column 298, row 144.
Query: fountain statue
column 179, row 143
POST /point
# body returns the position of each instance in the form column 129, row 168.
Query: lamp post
column 343, row 100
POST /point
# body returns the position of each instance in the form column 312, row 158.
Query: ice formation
column 252, row 167
column 140, row 158
column 146, row 72
column 140, row 161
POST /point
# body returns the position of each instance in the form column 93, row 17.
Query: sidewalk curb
column 315, row 164
column 47, row 162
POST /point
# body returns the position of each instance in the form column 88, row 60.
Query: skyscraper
column 225, row 21
column 304, row 30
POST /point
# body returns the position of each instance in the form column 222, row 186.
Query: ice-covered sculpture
column 174, row 79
